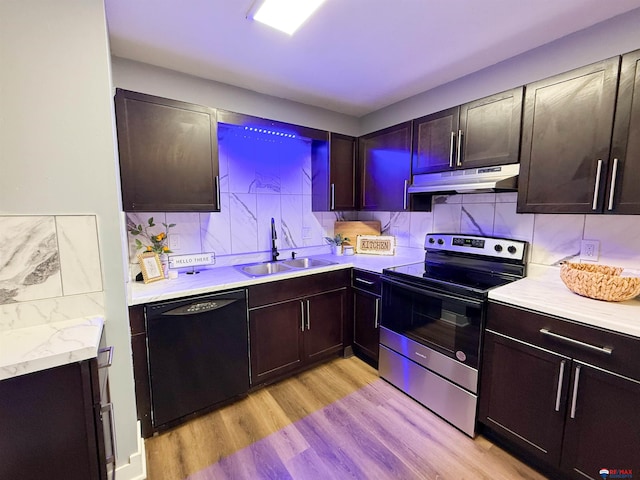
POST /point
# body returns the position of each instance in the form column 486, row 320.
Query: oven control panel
column 487, row 246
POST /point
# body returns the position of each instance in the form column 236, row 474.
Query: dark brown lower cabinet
column 288, row 336
column 569, row 408
column 50, row 425
column 366, row 315
column 300, row 326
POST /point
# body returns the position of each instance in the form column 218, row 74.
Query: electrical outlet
column 174, row 241
column 589, row 250
column 306, row 233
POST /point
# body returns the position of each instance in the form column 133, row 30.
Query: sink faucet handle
column 293, row 255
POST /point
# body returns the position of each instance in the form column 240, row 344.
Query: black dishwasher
column 198, row 354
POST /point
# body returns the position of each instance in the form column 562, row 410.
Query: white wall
column 613, row 37
column 159, row 81
column 57, row 153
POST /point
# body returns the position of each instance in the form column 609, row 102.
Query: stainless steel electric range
column 433, row 317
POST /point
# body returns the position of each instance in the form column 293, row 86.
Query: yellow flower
column 165, row 249
column 148, row 248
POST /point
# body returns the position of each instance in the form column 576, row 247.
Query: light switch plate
column 590, row 250
column 174, row 241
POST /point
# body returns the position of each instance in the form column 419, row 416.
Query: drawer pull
column 560, row 379
column 376, row 320
column 366, row 282
column 573, row 341
column 574, row 398
column 612, row 190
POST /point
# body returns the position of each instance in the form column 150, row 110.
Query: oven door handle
column 431, row 293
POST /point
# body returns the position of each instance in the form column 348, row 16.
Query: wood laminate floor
column 337, row 421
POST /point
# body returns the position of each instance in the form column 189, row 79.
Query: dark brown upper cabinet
column 385, row 168
column 481, row 133
column 168, row 154
column 566, row 140
column 623, row 180
column 333, row 174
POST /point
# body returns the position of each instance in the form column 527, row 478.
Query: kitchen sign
column 376, row 244
column 195, row 260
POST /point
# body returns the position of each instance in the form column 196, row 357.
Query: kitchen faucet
column 274, row 236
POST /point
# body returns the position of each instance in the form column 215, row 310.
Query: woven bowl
column 599, row 281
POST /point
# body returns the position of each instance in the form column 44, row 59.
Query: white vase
column 336, row 249
column 164, row 261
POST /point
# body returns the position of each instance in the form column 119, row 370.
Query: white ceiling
column 353, row 56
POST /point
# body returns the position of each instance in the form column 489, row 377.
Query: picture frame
column 151, row 267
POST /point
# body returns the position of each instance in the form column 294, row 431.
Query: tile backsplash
column 49, row 269
column 264, row 177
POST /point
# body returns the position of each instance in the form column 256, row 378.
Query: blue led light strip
column 266, row 131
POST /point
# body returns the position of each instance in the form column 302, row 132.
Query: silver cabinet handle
column 614, row 176
column 559, row 389
column 301, row 316
column 597, row 187
column 376, row 322
column 366, row 282
column 109, row 359
column 404, row 200
column 459, row 160
column 308, row 317
column 574, row 398
column 451, row 146
column 607, row 350
column 218, row 191
column 333, row 196
column 112, row 436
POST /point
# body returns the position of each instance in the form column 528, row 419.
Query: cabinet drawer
column 560, row 335
column 368, row 281
column 282, row 290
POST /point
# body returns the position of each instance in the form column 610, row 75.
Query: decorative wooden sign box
column 376, row 244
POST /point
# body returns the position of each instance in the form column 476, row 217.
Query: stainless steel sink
column 269, row 268
column 266, row 268
column 307, row 262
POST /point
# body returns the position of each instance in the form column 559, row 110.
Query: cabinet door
column 603, row 423
column 343, row 172
column 324, row 321
column 366, row 330
column 385, row 165
column 434, row 142
column 276, row 340
column 523, row 392
column 48, row 426
column 566, row 137
column 490, row 130
column 168, row 154
column 623, row 194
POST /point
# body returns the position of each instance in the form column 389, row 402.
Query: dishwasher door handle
column 200, row 307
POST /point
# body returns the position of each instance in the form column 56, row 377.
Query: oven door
column 448, row 324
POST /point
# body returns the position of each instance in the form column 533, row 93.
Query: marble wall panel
column 447, row 217
column 509, row 224
column 421, row 223
column 215, row 229
column 556, row 238
column 477, row 218
column 400, row 228
column 269, row 207
column 292, row 221
column 619, row 237
column 187, row 229
column 29, row 259
column 79, row 254
column 244, row 227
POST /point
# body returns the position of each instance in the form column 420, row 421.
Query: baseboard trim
column 136, row 469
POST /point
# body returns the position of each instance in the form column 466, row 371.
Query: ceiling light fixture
column 284, row 15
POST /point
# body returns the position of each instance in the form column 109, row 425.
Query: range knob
column 498, row 248
column 440, row 241
column 511, row 249
column 431, row 240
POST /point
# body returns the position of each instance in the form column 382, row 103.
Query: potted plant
column 157, row 242
column 336, row 243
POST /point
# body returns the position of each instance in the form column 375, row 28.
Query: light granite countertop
column 31, row 349
column 543, row 291
column 225, row 278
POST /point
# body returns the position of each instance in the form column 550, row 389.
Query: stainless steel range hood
column 475, row 180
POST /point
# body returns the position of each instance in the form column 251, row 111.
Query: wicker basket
column 599, row 281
